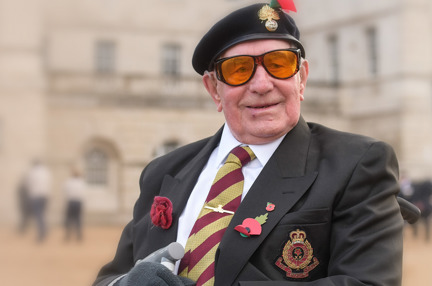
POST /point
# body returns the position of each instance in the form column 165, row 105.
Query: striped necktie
column 221, row 203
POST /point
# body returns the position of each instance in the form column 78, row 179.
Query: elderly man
column 269, row 199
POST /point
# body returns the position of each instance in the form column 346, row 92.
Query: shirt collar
column 228, row 142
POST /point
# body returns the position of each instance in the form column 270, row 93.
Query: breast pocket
column 306, row 217
column 305, row 233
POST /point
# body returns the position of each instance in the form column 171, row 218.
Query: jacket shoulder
column 342, row 138
column 335, row 145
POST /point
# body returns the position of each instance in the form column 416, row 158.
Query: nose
column 261, row 82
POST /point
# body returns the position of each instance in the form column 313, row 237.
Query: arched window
column 96, row 167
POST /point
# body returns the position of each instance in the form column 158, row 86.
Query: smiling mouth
column 262, row 107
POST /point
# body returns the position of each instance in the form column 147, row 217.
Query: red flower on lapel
column 161, row 212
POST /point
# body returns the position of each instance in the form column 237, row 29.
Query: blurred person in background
column 406, row 187
column 74, row 190
column 38, row 183
column 24, row 206
column 293, row 203
column 422, row 198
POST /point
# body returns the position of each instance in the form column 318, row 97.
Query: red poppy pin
column 253, row 226
column 161, row 212
column 270, row 207
column 287, row 5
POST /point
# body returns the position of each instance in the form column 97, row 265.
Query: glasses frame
column 258, row 60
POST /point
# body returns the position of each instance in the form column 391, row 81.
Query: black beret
column 240, row 26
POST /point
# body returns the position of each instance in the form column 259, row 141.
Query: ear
column 304, row 73
column 210, row 83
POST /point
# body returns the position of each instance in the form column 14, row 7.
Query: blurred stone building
column 371, row 72
column 107, row 85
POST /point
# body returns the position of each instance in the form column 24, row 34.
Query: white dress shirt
column 38, row 181
column 74, row 189
column 205, row 180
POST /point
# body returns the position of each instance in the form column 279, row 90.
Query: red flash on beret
column 287, row 5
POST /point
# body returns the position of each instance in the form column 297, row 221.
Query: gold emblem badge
column 268, row 14
column 297, row 257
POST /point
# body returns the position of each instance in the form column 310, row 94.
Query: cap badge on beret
column 268, row 14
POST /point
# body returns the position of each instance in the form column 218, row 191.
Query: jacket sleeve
column 367, row 227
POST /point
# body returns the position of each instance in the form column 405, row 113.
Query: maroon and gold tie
column 221, row 203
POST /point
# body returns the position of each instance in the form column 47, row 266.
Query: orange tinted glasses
column 238, row 70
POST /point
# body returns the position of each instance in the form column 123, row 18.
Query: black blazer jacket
column 336, row 219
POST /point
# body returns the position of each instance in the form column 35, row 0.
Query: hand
column 152, row 274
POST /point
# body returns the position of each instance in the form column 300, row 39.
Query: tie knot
column 241, row 155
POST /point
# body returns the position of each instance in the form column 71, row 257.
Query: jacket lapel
column 178, row 189
column 283, row 181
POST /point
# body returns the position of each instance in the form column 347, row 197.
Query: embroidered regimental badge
column 297, row 256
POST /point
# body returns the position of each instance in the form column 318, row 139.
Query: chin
column 267, row 137
column 268, row 130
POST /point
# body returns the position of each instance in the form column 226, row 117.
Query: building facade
column 371, row 72
column 107, row 85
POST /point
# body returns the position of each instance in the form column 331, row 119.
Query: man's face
column 265, row 108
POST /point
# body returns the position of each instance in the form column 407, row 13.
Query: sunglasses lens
column 281, row 64
column 237, row 70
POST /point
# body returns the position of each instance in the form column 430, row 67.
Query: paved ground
column 56, row 263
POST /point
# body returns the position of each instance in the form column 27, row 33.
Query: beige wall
column 53, row 104
column 23, row 108
column 395, row 104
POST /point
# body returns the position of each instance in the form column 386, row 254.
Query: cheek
column 229, row 99
column 293, row 105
